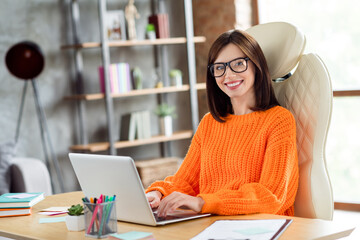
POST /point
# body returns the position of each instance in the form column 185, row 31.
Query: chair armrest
column 29, row 175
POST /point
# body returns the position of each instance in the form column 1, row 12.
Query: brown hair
column 219, row 103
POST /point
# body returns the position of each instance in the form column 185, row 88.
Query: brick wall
column 211, row 18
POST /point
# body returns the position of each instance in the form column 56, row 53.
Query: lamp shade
column 25, row 60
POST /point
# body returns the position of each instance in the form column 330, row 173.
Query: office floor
column 353, row 218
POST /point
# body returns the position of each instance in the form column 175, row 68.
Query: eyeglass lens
column 237, row 65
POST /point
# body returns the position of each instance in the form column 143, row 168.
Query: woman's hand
column 175, row 200
column 154, row 198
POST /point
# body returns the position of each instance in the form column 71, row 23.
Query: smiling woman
column 245, row 132
column 237, row 85
column 238, row 92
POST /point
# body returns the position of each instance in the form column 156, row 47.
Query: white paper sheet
column 21, row 195
column 242, row 230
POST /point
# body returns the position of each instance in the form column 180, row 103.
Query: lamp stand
column 44, row 130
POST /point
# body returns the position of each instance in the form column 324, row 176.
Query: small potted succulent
column 75, row 221
column 166, row 113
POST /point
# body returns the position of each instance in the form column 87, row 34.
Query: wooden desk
column 28, row 227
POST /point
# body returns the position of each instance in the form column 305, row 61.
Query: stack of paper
column 245, row 229
column 52, row 211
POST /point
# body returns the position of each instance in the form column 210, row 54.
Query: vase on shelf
column 166, row 126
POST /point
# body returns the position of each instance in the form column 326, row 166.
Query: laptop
column 117, row 175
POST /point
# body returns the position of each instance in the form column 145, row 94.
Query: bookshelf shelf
column 128, row 43
column 148, row 91
column 158, row 60
column 104, row 146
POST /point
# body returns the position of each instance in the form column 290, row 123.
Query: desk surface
column 28, row 227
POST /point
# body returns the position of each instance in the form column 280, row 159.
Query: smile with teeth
column 234, row 84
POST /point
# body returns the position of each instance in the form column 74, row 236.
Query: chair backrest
column 29, row 175
column 307, row 93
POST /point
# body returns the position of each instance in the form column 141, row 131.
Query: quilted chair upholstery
column 307, row 93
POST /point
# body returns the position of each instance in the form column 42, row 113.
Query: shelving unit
column 81, row 97
column 128, row 43
column 103, row 146
column 147, row 91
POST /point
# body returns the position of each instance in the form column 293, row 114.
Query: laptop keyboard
column 176, row 215
column 168, row 217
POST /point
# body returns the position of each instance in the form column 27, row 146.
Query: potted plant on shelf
column 75, row 221
column 166, row 113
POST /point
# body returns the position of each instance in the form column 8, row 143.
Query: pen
column 104, row 214
column 111, row 206
column 93, row 218
column 96, row 219
column 101, row 212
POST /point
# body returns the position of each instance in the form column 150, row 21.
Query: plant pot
column 75, row 223
column 166, row 127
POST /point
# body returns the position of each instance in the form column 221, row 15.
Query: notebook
column 20, row 200
column 9, row 212
column 109, row 175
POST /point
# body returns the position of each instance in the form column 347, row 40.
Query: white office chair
column 307, row 93
column 29, row 175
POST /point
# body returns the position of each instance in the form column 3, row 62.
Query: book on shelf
column 135, row 125
column 120, row 79
column 125, row 126
column 114, row 79
column 124, row 77
column 20, row 200
column 10, row 212
column 161, row 23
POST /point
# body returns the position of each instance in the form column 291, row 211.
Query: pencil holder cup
column 100, row 219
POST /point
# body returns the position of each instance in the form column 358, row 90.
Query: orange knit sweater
column 246, row 165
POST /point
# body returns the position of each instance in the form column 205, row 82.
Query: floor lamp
column 26, row 61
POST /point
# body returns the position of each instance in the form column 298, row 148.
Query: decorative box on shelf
column 156, row 169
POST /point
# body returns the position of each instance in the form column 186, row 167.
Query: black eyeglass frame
column 228, row 64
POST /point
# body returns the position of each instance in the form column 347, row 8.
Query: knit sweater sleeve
column 186, row 179
column 275, row 191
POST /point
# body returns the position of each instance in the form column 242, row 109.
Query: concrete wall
column 41, row 22
column 47, row 23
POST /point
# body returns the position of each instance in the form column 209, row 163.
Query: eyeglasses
column 237, row 65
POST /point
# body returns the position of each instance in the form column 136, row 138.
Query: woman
column 243, row 157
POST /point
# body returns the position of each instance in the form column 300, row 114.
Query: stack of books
column 161, row 23
column 120, row 78
column 18, row 204
column 135, row 125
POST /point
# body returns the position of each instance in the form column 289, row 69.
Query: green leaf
column 76, row 210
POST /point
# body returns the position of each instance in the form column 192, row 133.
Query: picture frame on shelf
column 115, row 25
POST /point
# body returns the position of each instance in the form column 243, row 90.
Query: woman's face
column 238, row 86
